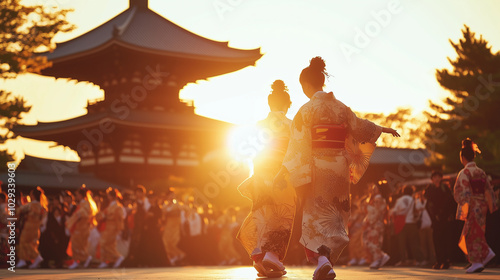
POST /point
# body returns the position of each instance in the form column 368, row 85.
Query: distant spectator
column 373, row 228
column 54, row 241
column 79, row 225
column 441, row 208
column 409, row 235
column 112, row 217
column 426, row 240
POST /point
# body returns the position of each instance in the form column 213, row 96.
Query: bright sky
column 381, row 54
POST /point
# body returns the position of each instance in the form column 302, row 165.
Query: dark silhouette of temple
column 141, row 132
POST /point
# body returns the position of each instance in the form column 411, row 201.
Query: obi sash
column 328, row 136
column 478, row 186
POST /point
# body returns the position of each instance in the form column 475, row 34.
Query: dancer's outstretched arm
column 391, row 131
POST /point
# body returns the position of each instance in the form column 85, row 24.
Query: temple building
column 141, row 132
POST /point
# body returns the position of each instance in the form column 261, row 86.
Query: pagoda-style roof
column 140, row 120
column 139, row 34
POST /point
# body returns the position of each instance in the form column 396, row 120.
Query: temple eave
column 103, row 59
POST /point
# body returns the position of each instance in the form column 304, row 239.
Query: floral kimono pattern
column 373, row 224
column 328, row 171
column 472, row 208
column 79, row 226
column 30, row 236
column 114, row 216
column 268, row 226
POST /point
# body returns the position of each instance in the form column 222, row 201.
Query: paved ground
column 355, row 273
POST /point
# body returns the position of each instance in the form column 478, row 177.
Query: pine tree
column 472, row 108
column 24, row 30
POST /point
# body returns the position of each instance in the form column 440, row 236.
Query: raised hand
column 391, row 131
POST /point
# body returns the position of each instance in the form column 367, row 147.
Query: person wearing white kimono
column 329, row 149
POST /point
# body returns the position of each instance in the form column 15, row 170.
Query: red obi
column 328, row 136
column 478, row 186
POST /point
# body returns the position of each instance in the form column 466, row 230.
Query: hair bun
column 467, row 144
column 318, row 64
column 279, row 96
column 278, row 86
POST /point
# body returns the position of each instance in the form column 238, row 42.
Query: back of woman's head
column 408, row 190
column 114, row 193
column 468, row 149
column 37, row 193
column 83, row 191
column 279, row 97
column 315, row 73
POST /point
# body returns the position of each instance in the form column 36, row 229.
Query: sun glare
column 240, row 273
column 245, row 142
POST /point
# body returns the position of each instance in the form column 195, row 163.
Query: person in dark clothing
column 54, row 241
column 146, row 246
column 441, row 207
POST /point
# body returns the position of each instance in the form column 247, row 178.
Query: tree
column 403, row 120
column 471, row 108
column 24, row 30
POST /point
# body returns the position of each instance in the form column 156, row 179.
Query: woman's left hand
column 391, row 131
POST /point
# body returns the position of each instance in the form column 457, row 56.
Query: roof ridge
column 118, row 30
column 223, row 43
column 58, row 44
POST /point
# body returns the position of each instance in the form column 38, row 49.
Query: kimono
column 329, row 148
column 114, row 216
column 373, row 224
column 30, row 236
column 172, row 232
column 474, row 194
column 268, row 226
column 79, row 226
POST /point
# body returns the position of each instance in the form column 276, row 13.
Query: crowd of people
column 83, row 229
column 414, row 226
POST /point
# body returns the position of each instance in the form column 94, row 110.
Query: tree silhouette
column 472, row 107
column 403, row 120
column 24, row 30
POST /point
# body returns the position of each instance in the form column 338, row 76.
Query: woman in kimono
column 329, row 148
column 373, row 225
column 474, row 194
column 36, row 217
column 266, row 231
column 172, row 229
column 79, row 225
column 113, row 217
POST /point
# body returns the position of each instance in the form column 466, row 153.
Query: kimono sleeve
column 298, row 158
column 462, row 193
column 490, row 196
column 360, row 144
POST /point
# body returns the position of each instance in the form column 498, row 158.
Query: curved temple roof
column 140, row 28
column 141, row 119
